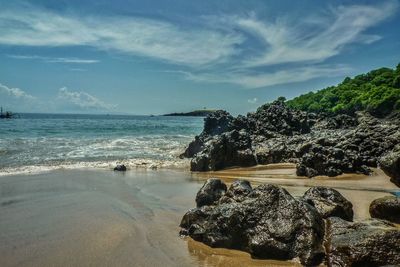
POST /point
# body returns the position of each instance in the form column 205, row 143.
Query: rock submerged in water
column 387, row 208
column 265, row 221
column 269, row 223
column 120, row 168
column 370, row 243
column 329, row 202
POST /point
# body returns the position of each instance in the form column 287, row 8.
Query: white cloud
column 317, row 38
column 252, row 101
column 132, row 35
column 56, row 59
column 83, row 100
column 16, row 93
column 253, row 80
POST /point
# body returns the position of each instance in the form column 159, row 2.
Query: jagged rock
column 210, row 192
column 120, row 168
column 266, row 222
column 390, row 164
column 330, row 161
column 329, row 202
column 226, row 150
column 217, row 122
column 387, row 208
column 369, row 243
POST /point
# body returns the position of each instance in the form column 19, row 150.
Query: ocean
column 39, row 142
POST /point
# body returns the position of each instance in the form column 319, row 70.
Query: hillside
column 195, row 113
column 377, row 92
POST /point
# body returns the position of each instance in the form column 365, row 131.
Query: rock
column 387, row 208
column 266, row 221
column 369, row 243
column 210, row 192
column 120, row 168
column 330, row 161
column 226, row 150
column 329, row 203
column 390, row 164
column 217, row 122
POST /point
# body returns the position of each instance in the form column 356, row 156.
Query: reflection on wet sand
column 220, row 257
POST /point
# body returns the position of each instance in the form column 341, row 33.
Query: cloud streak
column 244, row 50
column 83, row 100
column 72, row 60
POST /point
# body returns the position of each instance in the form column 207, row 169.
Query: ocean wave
column 105, row 165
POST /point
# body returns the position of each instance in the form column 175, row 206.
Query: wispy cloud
column 317, row 38
column 257, row 80
column 15, row 93
column 242, row 50
column 132, row 35
column 56, row 59
column 83, row 100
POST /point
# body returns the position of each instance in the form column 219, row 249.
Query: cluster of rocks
column 319, row 144
column 269, row 223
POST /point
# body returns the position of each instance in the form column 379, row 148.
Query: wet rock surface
column 370, row 243
column 318, row 143
column 120, row 168
column 269, row 223
column 329, row 203
column 387, row 208
column 265, row 221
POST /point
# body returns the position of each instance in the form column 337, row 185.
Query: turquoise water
column 40, row 141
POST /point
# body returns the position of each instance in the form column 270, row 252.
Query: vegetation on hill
column 377, row 92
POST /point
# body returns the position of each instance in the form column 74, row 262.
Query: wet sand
column 105, row 218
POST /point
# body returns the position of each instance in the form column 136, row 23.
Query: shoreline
column 102, row 217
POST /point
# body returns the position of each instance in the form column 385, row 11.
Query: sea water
column 37, row 142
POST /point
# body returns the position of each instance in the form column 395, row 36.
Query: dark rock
column 226, row 150
column 390, row 164
column 330, row 161
column 329, row 203
column 120, row 168
column 387, row 208
column 266, row 222
column 370, row 243
column 210, row 192
column 217, row 122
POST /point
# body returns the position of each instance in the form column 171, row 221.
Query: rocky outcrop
column 369, row 243
column 266, row 222
column 329, row 203
column 269, row 223
column 320, row 144
column 390, row 164
column 387, row 208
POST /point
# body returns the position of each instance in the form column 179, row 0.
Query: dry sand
column 104, row 218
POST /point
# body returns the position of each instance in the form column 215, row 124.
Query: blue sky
column 154, row 57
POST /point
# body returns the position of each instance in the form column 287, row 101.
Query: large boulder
column 226, row 150
column 390, row 164
column 387, row 208
column 210, row 192
column 369, row 243
column 217, row 122
column 329, row 202
column 266, row 221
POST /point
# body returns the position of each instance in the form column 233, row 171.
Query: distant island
column 195, row 113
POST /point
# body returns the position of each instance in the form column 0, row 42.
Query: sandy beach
column 104, row 218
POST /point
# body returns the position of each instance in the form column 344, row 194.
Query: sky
column 155, row 57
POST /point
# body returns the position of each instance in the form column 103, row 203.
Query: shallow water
column 35, row 142
column 105, row 218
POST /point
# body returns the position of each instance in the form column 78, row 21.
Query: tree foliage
column 377, row 92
